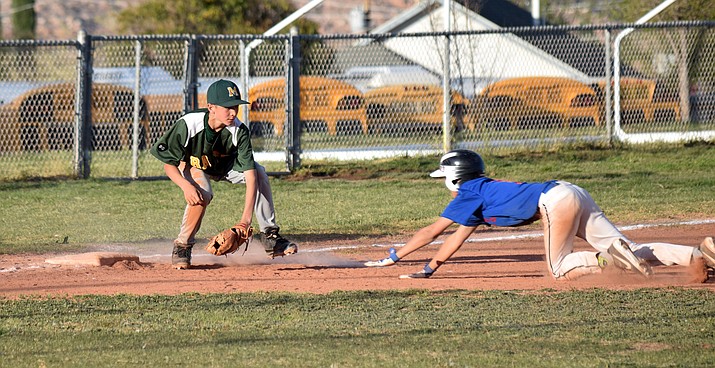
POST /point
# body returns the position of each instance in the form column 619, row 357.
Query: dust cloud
column 159, row 251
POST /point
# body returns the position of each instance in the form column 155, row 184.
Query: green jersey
column 191, row 140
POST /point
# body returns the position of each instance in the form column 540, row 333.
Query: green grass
column 415, row 328
column 596, row 328
column 347, row 199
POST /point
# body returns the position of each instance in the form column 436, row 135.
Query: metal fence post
column 137, row 107
column 293, row 134
column 83, row 107
column 446, row 81
column 191, row 100
column 608, row 111
column 244, row 55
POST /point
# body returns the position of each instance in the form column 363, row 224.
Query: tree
column 23, row 19
column 686, row 45
column 631, row 10
column 208, row 17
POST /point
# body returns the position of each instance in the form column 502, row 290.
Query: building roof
column 586, row 56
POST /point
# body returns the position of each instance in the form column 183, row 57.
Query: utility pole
column 23, row 19
column 366, row 16
column 535, row 13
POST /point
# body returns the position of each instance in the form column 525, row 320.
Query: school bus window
column 583, row 100
column 350, row 103
column 265, row 104
column 123, row 105
column 38, row 107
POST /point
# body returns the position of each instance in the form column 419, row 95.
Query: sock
column 393, row 255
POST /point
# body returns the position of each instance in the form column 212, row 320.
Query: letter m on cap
column 232, row 92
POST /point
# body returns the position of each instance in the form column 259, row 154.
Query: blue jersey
column 501, row 203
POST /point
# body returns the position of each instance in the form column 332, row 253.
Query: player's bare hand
column 193, row 196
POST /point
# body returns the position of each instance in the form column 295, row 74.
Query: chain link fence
column 93, row 107
column 37, row 110
column 667, row 83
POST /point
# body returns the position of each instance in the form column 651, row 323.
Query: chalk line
column 530, row 235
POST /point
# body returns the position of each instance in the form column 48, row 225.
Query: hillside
column 61, row 20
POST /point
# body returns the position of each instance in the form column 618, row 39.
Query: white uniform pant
column 569, row 211
column 193, row 215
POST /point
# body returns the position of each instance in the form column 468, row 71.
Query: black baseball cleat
column 181, row 256
column 276, row 245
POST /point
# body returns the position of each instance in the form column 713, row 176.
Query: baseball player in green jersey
column 211, row 143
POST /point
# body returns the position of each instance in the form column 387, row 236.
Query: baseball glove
column 229, row 240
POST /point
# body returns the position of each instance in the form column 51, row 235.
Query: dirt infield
column 505, row 263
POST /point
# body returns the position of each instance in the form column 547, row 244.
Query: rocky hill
column 61, row 20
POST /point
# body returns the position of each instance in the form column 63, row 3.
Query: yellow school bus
column 411, row 107
column 640, row 104
column 44, row 118
column 162, row 111
column 326, row 105
column 537, row 102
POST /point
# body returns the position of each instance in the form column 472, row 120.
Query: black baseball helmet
column 457, row 165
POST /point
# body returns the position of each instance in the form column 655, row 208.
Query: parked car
column 326, row 105
column 43, row 118
column 411, row 107
column 536, row 102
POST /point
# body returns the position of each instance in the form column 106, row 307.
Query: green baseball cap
column 224, row 93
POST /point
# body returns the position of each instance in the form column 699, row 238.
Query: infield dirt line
column 529, row 235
